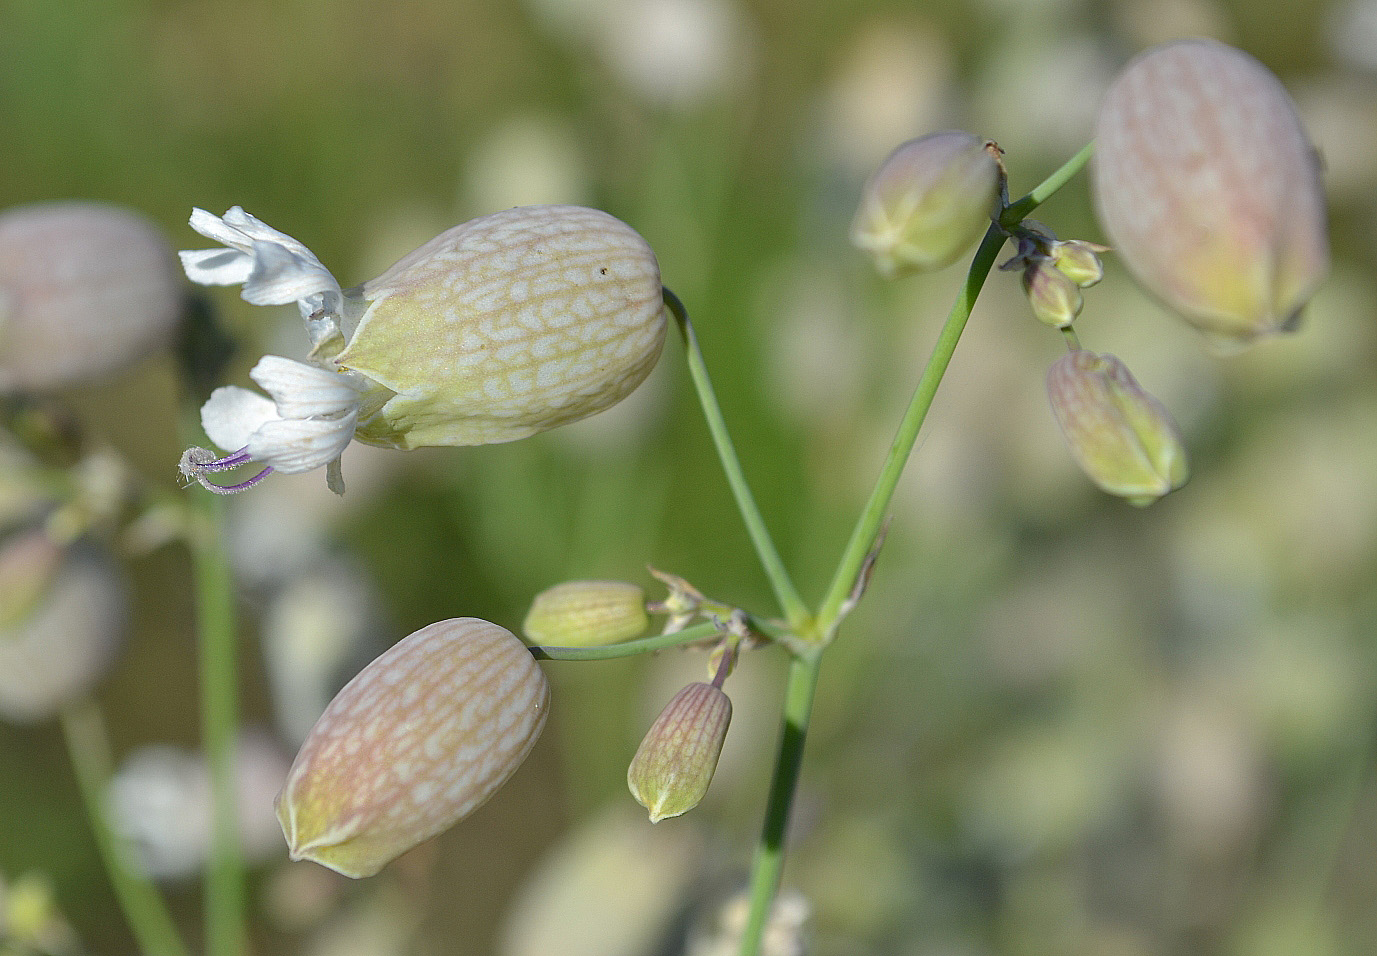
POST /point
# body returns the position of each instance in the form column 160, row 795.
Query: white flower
column 314, row 407
column 306, row 424
column 273, row 268
column 499, row 328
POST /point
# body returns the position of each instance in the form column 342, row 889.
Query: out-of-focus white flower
column 1352, row 33
column 611, row 888
column 892, row 82
column 58, row 651
column 526, row 160
column 785, row 931
column 319, row 623
column 677, row 52
column 496, row 329
column 85, row 289
column 160, row 799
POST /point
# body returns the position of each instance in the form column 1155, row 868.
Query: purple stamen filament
column 194, row 467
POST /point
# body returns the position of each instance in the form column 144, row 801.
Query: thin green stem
column 644, row 645
column 89, row 750
column 769, row 854
column 219, row 680
column 1019, row 210
column 872, row 516
column 785, row 593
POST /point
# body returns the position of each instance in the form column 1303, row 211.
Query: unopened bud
column 1209, row 189
column 587, row 614
column 85, row 288
column 1079, row 261
column 419, row 739
column 928, row 203
column 1120, row 435
column 1056, row 299
column 674, row 764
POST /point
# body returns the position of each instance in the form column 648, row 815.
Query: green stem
column 143, row 906
column 1018, row 211
column 224, row 878
column 646, row 645
column 872, row 516
column 868, row 525
column 642, row 645
column 769, row 854
column 785, row 593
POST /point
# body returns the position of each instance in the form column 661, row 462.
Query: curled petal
column 280, row 269
column 232, row 414
column 301, row 390
column 294, row 445
column 216, row 266
column 281, row 276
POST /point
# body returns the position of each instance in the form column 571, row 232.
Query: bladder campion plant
column 539, row 316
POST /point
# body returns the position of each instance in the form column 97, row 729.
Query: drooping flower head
column 1209, row 189
column 419, row 739
column 928, row 203
column 494, row 330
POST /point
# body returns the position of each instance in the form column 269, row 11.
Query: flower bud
column 1055, row 297
column 1120, row 435
column 67, row 641
column 419, row 739
column 1208, row 188
column 1079, row 261
column 587, row 614
column 508, row 325
column 674, row 764
column 85, row 289
column 928, row 203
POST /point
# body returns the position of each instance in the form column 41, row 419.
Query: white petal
column 216, row 266
column 304, row 391
column 295, row 445
column 231, row 415
column 213, row 227
column 281, row 275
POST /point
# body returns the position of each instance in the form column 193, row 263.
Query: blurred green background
column 1057, row 725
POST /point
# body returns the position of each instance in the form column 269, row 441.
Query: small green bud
column 1120, row 435
column 1055, row 297
column 419, row 739
column 1209, row 189
column 928, row 203
column 674, row 764
column 1079, row 261
column 587, row 614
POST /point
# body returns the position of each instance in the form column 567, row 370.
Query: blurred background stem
column 219, row 689
column 83, row 729
column 224, row 887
